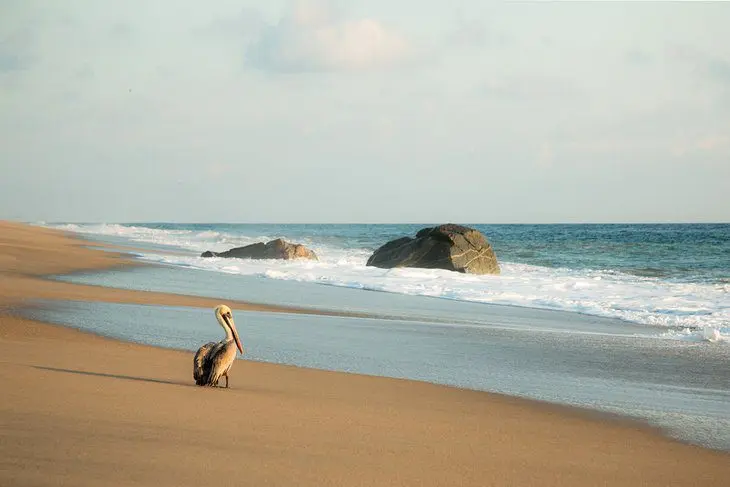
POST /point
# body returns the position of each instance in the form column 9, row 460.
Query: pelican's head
column 223, row 310
column 225, row 318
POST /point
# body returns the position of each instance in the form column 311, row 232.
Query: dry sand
column 77, row 409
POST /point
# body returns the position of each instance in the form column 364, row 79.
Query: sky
column 380, row 111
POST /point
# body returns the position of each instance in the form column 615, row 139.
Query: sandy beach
column 78, row 409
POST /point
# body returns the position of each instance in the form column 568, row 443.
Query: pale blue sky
column 379, row 111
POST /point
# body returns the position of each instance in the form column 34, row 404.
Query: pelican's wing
column 218, row 361
column 199, row 370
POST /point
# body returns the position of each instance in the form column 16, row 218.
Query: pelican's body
column 214, row 360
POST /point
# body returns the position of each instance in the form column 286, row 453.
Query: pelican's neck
column 229, row 332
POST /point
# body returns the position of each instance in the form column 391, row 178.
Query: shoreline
column 18, row 280
column 311, row 427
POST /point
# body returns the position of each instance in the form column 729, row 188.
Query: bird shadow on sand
column 247, row 388
column 113, row 376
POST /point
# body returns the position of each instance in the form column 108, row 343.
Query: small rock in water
column 275, row 249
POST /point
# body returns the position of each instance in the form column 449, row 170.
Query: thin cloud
column 712, row 143
column 638, row 57
column 719, row 69
column 11, row 62
column 16, row 50
column 715, row 67
column 247, row 25
column 311, row 38
column 545, row 156
column 477, row 34
column 529, row 88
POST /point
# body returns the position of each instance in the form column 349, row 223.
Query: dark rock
column 451, row 247
column 275, row 249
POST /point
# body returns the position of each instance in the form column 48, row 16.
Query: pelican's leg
column 226, row 380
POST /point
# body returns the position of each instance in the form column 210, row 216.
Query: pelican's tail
column 200, row 374
column 211, row 378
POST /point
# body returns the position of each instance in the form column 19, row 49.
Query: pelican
column 214, row 360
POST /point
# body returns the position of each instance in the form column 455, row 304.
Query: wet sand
column 78, row 409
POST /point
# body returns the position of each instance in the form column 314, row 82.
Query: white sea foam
column 687, row 311
column 181, row 239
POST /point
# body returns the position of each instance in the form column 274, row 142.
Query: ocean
column 625, row 319
column 675, row 278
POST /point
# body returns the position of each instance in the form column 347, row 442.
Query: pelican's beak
column 229, row 320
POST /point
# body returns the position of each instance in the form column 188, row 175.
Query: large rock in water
column 275, row 249
column 451, row 247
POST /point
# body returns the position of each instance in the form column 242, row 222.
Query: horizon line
column 178, row 222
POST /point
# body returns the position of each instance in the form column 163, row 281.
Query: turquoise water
column 681, row 252
column 674, row 277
